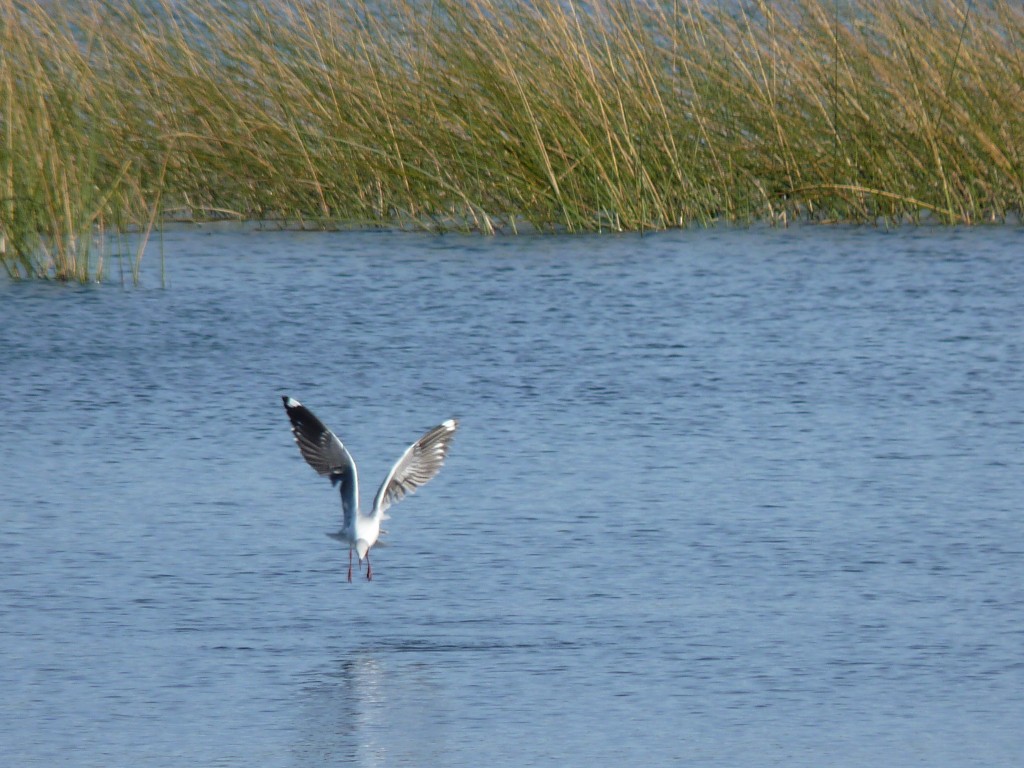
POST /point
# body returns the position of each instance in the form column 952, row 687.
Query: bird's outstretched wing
column 420, row 462
column 325, row 453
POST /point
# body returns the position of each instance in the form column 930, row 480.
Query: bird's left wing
column 325, row 453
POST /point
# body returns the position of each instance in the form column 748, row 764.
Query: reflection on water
column 718, row 498
column 369, row 710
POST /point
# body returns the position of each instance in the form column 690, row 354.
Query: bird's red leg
column 350, row 565
column 369, row 570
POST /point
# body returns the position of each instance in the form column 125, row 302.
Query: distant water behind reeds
column 494, row 114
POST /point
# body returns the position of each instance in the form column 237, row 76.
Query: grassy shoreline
column 479, row 114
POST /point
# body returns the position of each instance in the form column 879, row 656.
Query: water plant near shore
column 484, row 114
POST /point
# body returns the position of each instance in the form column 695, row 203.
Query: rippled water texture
column 719, row 498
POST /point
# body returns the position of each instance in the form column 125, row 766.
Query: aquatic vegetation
column 491, row 114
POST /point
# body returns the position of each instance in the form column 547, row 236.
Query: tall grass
column 487, row 114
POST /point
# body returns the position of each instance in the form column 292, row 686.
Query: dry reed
column 488, row 114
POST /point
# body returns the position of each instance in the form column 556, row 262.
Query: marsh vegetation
column 495, row 114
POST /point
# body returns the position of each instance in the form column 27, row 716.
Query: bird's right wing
column 325, row 453
column 421, row 461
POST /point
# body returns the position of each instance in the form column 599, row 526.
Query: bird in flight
column 325, row 453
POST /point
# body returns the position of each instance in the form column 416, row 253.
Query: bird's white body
column 323, row 451
column 361, row 535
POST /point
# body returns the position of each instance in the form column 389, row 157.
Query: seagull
column 325, row 453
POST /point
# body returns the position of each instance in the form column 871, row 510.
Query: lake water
column 719, row 498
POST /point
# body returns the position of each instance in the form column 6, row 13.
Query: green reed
column 491, row 114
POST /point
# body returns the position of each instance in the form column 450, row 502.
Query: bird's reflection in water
column 372, row 710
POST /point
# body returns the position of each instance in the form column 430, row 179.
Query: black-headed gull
column 325, row 453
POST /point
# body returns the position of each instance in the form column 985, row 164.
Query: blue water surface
column 719, row 498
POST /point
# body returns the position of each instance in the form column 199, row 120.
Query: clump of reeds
column 485, row 114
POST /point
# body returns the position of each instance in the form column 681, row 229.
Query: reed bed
column 493, row 114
